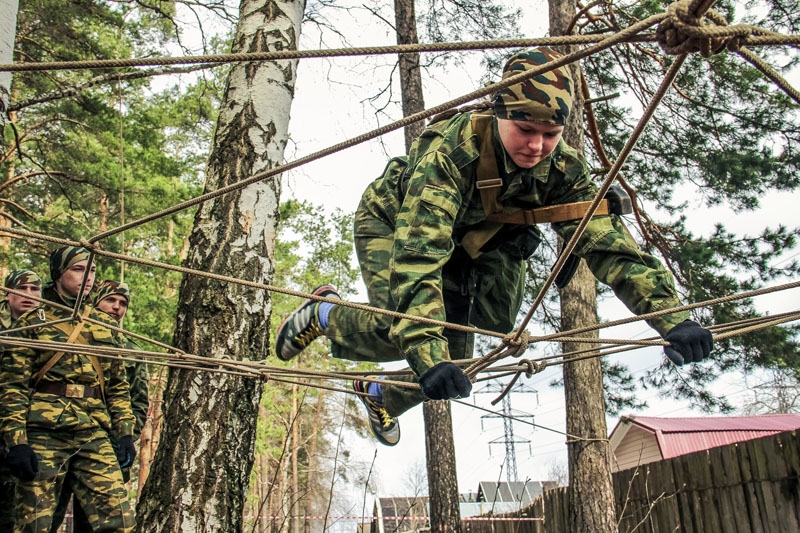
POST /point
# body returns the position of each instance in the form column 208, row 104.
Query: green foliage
column 728, row 136
column 96, row 149
column 312, row 248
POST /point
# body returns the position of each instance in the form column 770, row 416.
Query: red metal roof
column 679, row 436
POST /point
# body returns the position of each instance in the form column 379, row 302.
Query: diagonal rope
column 410, row 119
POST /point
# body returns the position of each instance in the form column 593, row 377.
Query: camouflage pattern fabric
column 5, row 316
column 109, row 287
column 546, row 97
column 65, row 257
column 8, row 482
column 408, row 230
column 86, row 458
column 14, row 279
column 57, row 421
column 138, row 378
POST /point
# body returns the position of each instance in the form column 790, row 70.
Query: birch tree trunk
column 439, row 446
column 199, row 477
column 592, row 509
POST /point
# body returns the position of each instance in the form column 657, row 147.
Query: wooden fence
column 746, row 487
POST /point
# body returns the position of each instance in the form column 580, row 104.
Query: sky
column 332, row 104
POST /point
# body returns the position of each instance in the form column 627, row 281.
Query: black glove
column 690, row 343
column 126, row 453
column 445, row 381
column 22, row 462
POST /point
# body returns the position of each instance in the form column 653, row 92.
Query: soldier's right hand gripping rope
column 689, row 343
column 22, row 462
column 445, row 381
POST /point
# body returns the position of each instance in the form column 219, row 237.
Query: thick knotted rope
column 684, row 32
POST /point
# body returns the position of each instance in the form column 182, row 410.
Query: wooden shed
column 638, row 440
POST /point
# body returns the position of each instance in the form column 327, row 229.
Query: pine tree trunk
column 439, row 445
column 200, row 474
column 589, row 457
column 445, row 514
column 311, row 461
column 294, row 500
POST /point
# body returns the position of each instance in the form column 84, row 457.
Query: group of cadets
column 68, row 420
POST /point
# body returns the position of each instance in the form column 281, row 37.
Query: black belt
column 69, row 390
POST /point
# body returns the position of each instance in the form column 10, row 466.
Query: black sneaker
column 302, row 326
column 385, row 428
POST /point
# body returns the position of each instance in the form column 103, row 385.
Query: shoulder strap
column 58, row 355
column 488, row 181
column 99, row 370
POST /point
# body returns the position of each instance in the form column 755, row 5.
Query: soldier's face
column 527, row 143
column 69, row 284
column 115, row 305
column 22, row 304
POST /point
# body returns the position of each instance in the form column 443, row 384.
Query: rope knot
column 89, row 245
column 517, row 341
column 532, row 367
column 684, row 32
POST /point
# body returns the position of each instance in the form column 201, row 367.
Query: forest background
column 63, row 163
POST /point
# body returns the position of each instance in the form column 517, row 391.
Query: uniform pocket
column 432, row 225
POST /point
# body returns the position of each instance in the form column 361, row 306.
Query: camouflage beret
column 65, row 257
column 15, row 278
column 543, row 98
column 110, row 287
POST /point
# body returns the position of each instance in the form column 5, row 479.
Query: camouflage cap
column 110, row 287
column 543, row 98
column 15, row 278
column 65, row 257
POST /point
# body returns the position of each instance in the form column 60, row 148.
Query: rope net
column 688, row 26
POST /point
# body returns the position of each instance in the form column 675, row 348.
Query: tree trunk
column 311, row 461
column 442, row 474
column 8, row 28
column 199, row 477
column 589, row 456
column 294, row 500
column 439, row 445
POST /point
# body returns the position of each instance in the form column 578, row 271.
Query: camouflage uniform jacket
column 21, row 407
column 5, row 317
column 431, row 201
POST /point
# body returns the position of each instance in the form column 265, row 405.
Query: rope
column 688, row 26
column 278, row 55
column 410, row 119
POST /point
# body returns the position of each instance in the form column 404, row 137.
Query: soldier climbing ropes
column 432, row 243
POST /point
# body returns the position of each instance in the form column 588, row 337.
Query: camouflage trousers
column 485, row 292
column 87, row 459
column 80, row 522
column 8, row 484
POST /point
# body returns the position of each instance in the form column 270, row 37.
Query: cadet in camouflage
column 111, row 297
column 414, row 222
column 56, row 420
column 12, row 307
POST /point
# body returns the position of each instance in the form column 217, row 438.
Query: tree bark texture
column 445, row 516
column 199, row 478
column 410, row 75
column 589, row 452
column 439, row 444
